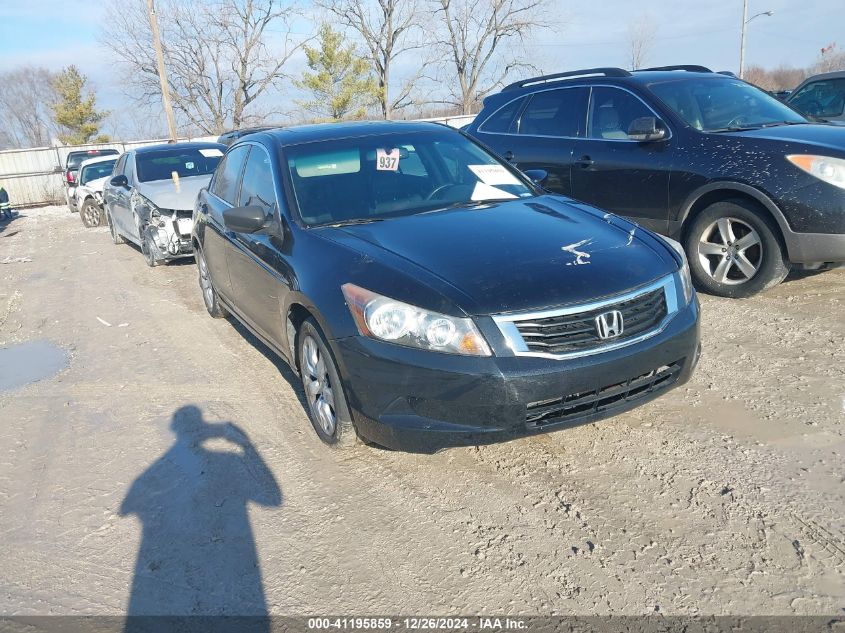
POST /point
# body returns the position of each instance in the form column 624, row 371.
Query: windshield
column 371, row 178
column 75, row 159
column 162, row 164
column 821, row 98
column 97, row 170
column 715, row 105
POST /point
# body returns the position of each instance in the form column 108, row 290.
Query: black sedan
column 429, row 294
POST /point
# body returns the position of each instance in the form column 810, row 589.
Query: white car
column 88, row 194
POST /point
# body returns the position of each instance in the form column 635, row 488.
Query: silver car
column 150, row 197
column 88, row 193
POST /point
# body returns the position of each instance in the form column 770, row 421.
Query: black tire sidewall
column 774, row 266
column 345, row 434
column 216, row 309
column 116, row 237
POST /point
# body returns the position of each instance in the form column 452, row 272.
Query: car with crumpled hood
column 150, row 197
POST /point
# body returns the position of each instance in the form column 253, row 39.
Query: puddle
column 29, row 362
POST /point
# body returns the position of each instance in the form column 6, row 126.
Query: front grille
column 602, row 400
column 577, row 332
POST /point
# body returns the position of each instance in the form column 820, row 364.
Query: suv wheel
column 209, row 294
column 327, row 406
column 90, row 214
column 734, row 251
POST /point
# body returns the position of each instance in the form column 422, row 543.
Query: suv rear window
column 501, row 120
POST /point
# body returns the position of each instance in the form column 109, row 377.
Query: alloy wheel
column 92, row 214
column 318, row 387
column 730, row 251
column 205, row 282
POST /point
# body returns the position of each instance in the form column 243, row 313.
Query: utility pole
column 162, row 72
column 745, row 21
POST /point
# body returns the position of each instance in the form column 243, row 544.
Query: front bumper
column 420, row 401
column 813, row 248
column 172, row 237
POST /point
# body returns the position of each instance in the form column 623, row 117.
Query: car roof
column 836, row 74
column 333, row 131
column 187, row 145
column 98, row 159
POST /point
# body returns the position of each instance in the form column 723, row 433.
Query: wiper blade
column 736, row 128
column 355, row 221
column 779, row 123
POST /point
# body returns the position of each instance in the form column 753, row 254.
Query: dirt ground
column 725, row 496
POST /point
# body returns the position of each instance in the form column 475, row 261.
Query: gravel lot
column 723, row 497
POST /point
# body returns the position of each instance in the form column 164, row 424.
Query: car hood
column 96, row 184
column 165, row 194
column 521, row 254
column 817, row 134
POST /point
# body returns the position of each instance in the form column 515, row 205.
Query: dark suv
column 747, row 184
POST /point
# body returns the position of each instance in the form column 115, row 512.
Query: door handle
column 585, row 161
column 508, row 156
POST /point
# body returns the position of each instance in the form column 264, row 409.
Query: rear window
column 74, row 159
column 97, row 170
column 162, row 164
column 500, row 121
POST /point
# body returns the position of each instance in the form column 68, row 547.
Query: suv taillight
column 69, row 176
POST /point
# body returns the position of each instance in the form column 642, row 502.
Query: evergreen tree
column 340, row 81
column 74, row 112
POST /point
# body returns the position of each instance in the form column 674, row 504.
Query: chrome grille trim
column 507, row 322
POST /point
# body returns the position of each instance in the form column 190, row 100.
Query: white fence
column 34, row 177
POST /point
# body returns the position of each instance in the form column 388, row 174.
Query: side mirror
column 119, row 181
column 538, row 176
column 646, row 128
column 244, row 219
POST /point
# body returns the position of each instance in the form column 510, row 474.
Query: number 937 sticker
column 387, row 159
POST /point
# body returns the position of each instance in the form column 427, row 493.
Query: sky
column 580, row 34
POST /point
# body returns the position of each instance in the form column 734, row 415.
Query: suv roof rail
column 690, row 68
column 606, row 72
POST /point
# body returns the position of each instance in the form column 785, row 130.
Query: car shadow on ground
column 800, row 275
column 198, row 554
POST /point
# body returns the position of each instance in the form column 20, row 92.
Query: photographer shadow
column 198, row 553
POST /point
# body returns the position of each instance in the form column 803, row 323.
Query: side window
column 612, row 111
column 118, row 167
column 257, row 188
column 502, row 120
column 555, row 113
column 225, row 185
column 821, row 98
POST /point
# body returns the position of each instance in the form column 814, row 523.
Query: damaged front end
column 166, row 233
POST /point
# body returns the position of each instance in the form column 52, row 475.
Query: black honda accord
column 430, row 295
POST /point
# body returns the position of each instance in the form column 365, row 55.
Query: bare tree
column 387, row 28
column 219, row 55
column 472, row 33
column 25, row 115
column 641, row 35
column 830, row 59
column 780, row 78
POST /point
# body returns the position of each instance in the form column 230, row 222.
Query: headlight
column 401, row 323
column 827, row 168
column 683, row 271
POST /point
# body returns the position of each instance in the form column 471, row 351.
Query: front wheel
column 327, row 406
column 209, row 294
column 116, row 237
column 90, row 214
column 733, row 250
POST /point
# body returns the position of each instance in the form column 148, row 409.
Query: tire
column 71, row 207
column 90, row 214
column 327, row 406
column 734, row 251
column 148, row 249
column 116, row 237
column 209, row 294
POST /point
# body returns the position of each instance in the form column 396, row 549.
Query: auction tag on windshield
column 494, row 175
column 211, row 152
column 387, row 159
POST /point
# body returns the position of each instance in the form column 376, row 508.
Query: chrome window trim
column 586, row 120
column 507, row 322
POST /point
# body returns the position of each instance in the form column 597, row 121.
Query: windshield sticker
column 189, row 165
column 484, row 191
column 494, row 175
column 211, row 152
column 387, row 159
